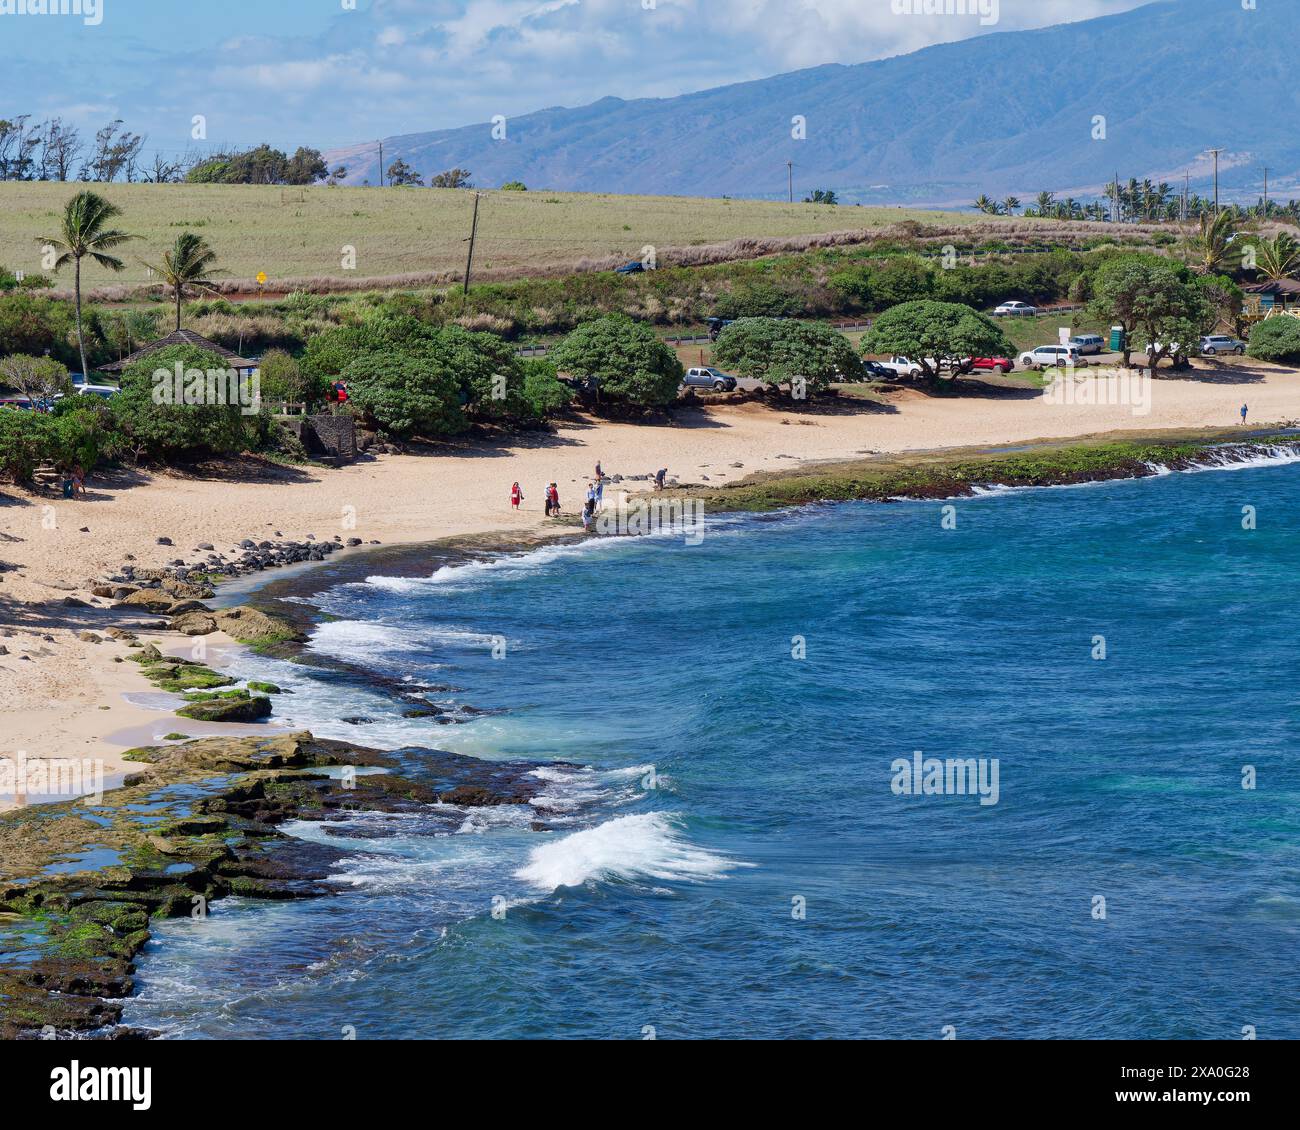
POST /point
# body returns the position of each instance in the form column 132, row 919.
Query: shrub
column 628, row 362
column 404, row 395
column 281, row 378
column 543, row 391
column 1275, row 339
column 932, row 333
column 777, row 351
column 151, row 425
column 25, row 441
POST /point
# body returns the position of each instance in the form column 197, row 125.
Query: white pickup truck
column 903, row 367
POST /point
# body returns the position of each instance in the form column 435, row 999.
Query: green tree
column 407, row 396
column 1213, row 248
column 84, row 233
column 281, row 378
column 38, row 378
column 628, row 362
column 1278, row 258
column 938, row 336
column 400, row 173
column 187, row 268
column 1153, row 300
column 514, row 186
column 153, row 423
column 1276, row 339
column 452, row 178
column 543, row 391
column 780, row 351
column 32, row 324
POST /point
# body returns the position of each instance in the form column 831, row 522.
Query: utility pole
column 790, row 166
column 1266, row 192
column 381, row 164
column 1216, row 153
column 473, row 232
column 1187, row 188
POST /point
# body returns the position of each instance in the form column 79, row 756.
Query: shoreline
column 104, row 718
column 99, row 868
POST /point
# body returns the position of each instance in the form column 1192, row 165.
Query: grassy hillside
column 301, row 233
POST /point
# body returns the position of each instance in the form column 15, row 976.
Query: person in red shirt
column 516, row 496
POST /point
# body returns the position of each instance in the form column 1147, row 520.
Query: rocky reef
column 80, row 886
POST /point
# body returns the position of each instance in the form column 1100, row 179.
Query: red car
column 1002, row 365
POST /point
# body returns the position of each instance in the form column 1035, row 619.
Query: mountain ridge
column 1005, row 112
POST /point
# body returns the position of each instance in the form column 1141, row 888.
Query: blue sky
column 327, row 72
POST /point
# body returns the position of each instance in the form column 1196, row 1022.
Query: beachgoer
column 78, row 482
column 554, row 496
column 660, row 476
column 600, row 492
column 1244, row 409
column 516, row 496
column 599, row 473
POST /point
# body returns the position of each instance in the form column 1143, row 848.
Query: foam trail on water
column 647, row 846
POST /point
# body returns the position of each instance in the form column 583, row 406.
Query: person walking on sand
column 660, row 476
column 516, row 496
column 553, row 500
column 599, row 473
column 1244, row 409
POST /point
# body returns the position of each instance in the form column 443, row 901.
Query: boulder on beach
column 194, row 624
column 235, row 707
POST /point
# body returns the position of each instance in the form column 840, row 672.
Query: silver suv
column 1221, row 343
column 708, row 377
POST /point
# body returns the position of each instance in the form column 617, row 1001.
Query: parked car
column 1012, row 308
column 706, row 376
column 1050, row 356
column 85, row 388
column 1221, row 343
column 1089, row 343
column 875, row 371
column 633, row 268
column 717, row 325
column 902, row 367
column 991, row 364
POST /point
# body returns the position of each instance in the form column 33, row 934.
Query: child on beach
column 553, row 501
column 1244, row 409
column 516, row 496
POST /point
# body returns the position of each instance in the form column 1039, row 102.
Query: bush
column 404, row 395
column 629, row 363
column 152, row 424
column 934, row 333
column 31, row 324
column 543, row 391
column 281, row 378
column 1275, row 339
column 25, row 443
column 777, row 351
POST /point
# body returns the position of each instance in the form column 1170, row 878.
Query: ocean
column 1098, row 684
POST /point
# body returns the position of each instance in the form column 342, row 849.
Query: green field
column 295, row 233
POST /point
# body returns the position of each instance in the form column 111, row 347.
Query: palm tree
column 985, row 205
column 1211, row 249
column 84, row 234
column 1277, row 258
column 1010, row 204
column 1046, row 201
column 187, row 267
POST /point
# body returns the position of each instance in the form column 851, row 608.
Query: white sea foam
column 647, row 846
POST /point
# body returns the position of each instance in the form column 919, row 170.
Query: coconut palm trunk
column 83, row 233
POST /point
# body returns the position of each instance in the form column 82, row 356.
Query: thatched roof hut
column 181, row 337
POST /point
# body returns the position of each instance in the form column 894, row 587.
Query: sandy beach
column 64, row 696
